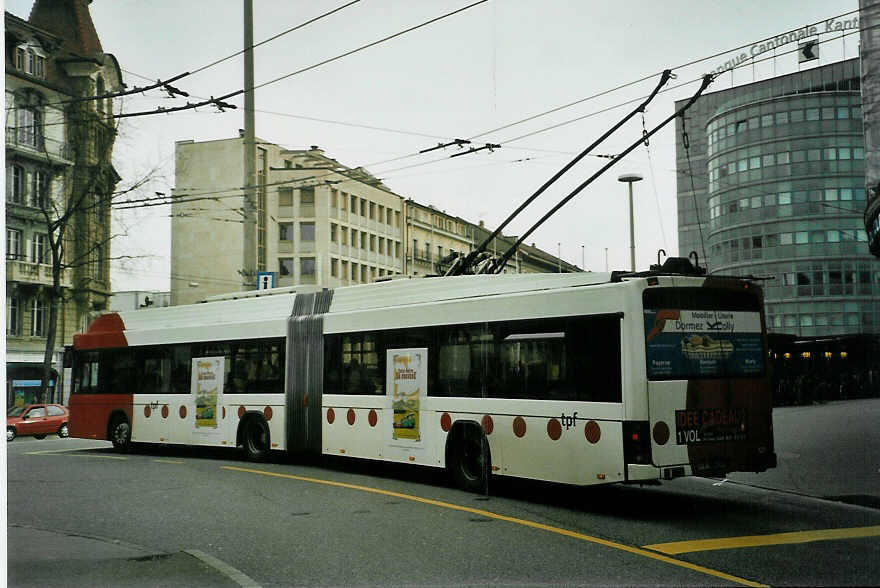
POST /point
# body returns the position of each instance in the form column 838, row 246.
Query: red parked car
column 38, row 420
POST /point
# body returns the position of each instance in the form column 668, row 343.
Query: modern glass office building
column 772, row 185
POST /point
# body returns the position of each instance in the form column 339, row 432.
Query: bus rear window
column 702, row 333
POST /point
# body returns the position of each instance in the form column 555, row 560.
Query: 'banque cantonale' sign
column 829, row 26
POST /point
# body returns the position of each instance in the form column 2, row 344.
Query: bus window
column 461, row 355
column 85, row 378
column 156, row 377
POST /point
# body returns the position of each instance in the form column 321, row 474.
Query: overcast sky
column 494, row 64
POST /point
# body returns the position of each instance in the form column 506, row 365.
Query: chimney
column 482, row 224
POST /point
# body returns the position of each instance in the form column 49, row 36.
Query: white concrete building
column 318, row 221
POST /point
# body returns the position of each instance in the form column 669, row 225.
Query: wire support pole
column 457, row 269
column 499, row 264
column 249, row 248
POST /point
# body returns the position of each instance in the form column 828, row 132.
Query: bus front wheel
column 255, row 439
column 468, row 458
column 120, row 433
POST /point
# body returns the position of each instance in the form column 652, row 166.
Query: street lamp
column 629, row 179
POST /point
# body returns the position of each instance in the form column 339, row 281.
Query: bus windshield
column 702, row 333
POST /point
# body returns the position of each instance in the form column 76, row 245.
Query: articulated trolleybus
column 577, row 378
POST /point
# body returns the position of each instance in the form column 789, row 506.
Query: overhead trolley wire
column 745, row 64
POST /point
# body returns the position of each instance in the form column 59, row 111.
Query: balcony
column 38, row 147
column 28, row 272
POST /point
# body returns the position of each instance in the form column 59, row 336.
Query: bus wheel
column 468, row 458
column 255, row 439
column 120, row 433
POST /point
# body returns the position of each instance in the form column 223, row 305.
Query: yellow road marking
column 678, row 547
column 56, row 451
column 52, row 451
column 168, row 461
column 514, row 520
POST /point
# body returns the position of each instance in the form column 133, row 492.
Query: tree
column 77, row 220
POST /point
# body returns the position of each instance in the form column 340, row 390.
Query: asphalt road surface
column 80, row 514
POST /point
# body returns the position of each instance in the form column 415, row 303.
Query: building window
column 363, row 240
column 99, row 91
column 372, row 242
column 13, row 244
column 333, row 232
column 98, row 262
column 17, row 192
column 307, row 197
column 38, row 318
column 41, row 189
column 285, row 231
column 306, row 231
column 353, row 199
column 363, row 207
column 334, row 267
column 39, row 248
column 27, row 119
column 372, row 211
column 334, row 198
column 285, row 196
column 13, row 316
column 285, row 266
column 30, row 61
column 307, row 266
column 36, row 64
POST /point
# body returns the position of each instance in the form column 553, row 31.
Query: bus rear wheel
column 468, row 459
column 120, row 434
column 255, row 439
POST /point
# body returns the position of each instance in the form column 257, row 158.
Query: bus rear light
column 636, row 442
column 653, row 281
column 600, row 476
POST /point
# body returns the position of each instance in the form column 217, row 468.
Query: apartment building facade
column 58, row 169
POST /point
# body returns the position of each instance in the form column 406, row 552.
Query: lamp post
column 629, row 179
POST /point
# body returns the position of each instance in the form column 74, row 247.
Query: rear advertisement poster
column 683, row 344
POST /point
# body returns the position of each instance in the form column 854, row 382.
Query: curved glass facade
column 785, row 199
column 781, row 195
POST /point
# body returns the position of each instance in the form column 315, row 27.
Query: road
column 331, row 523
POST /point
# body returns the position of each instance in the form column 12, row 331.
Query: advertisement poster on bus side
column 207, row 391
column 683, row 344
column 407, row 386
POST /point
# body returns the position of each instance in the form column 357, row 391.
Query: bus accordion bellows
column 578, row 378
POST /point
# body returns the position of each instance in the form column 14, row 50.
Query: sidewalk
column 46, row 558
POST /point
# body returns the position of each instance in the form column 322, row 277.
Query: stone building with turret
column 59, row 183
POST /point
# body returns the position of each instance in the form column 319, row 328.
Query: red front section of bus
column 90, row 413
